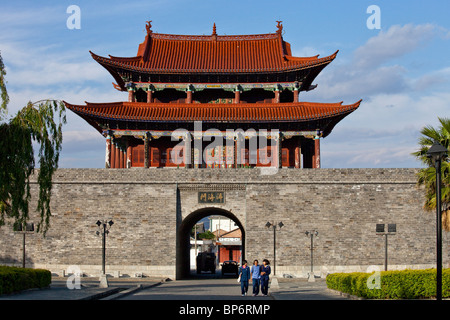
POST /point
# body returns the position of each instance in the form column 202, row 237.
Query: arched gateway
column 154, row 210
column 183, row 236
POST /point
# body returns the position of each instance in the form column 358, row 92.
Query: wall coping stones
column 241, row 176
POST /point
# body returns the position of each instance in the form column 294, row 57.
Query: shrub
column 14, row 279
column 405, row 284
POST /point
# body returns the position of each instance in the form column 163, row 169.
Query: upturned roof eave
column 93, row 111
column 113, row 64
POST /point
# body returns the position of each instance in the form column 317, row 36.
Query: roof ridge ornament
column 214, row 30
column 148, row 27
column 279, row 27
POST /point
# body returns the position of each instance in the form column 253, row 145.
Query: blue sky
column 401, row 71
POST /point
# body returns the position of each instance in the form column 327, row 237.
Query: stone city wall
column 149, row 207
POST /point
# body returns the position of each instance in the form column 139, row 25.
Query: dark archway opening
column 183, row 264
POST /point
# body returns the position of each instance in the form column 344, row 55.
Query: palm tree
column 427, row 176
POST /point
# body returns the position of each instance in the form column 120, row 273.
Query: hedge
column 405, row 284
column 13, row 279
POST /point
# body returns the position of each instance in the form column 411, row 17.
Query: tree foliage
column 427, row 176
column 208, row 235
column 3, row 92
column 34, row 125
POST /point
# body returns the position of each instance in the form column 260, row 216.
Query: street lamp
column 435, row 154
column 24, row 229
column 103, row 229
column 274, row 226
column 392, row 229
column 311, row 234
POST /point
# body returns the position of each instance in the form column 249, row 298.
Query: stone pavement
column 301, row 289
column 89, row 289
column 289, row 289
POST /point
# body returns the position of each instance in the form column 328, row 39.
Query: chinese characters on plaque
column 211, row 197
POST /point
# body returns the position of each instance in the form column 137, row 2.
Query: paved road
column 229, row 289
column 89, row 289
column 204, row 288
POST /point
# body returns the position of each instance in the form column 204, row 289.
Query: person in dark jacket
column 265, row 272
column 244, row 273
column 256, row 277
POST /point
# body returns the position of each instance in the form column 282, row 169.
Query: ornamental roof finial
column 148, row 26
column 279, row 27
column 214, row 30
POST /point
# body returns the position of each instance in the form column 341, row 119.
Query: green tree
column 427, row 176
column 208, row 235
column 34, row 125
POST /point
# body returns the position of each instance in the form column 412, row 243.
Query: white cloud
column 384, row 131
column 44, row 66
column 305, row 52
column 19, row 97
column 28, row 18
column 361, row 156
column 432, row 79
column 374, row 67
column 394, row 43
column 40, row 69
column 75, row 136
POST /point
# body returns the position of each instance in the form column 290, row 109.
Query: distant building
column 221, row 223
column 229, row 246
column 228, row 238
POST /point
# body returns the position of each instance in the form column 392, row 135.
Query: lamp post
column 24, row 229
column 103, row 227
column 435, row 154
column 274, row 226
column 311, row 234
column 392, row 229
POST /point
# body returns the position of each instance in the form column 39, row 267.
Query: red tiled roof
column 235, row 233
column 182, row 112
column 219, row 232
column 165, row 53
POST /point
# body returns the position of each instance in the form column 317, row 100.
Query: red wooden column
column 131, row 97
column 146, row 149
column 316, row 163
column 295, row 94
column 235, row 152
column 277, row 95
column 128, row 155
column 117, row 156
column 124, row 157
column 237, row 96
column 187, row 152
column 298, row 153
column 239, row 150
column 120, row 159
column 113, row 154
column 189, row 95
column 279, row 150
column 297, row 157
column 108, row 151
column 197, row 150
